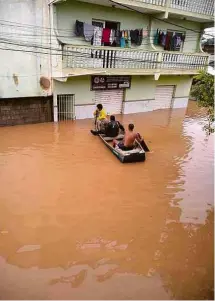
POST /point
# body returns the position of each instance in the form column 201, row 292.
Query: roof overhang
column 73, row 72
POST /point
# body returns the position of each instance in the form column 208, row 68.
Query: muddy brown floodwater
column 75, row 223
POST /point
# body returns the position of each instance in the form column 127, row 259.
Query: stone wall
column 26, row 110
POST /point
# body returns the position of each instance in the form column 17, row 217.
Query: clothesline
column 99, row 36
column 171, row 40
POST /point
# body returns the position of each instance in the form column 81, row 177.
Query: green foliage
column 203, row 91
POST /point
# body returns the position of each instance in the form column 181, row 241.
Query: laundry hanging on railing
column 171, row 41
column 79, row 28
column 99, row 36
column 136, row 36
column 88, row 32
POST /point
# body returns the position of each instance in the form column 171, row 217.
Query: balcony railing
column 153, row 2
column 204, row 7
column 101, row 58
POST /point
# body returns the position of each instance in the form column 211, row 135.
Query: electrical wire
column 88, row 56
column 167, row 22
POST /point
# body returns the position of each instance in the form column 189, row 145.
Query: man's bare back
column 129, row 138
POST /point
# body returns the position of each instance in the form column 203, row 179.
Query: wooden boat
column 135, row 155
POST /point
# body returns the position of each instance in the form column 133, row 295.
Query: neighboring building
column 132, row 69
column 208, row 46
column 25, row 73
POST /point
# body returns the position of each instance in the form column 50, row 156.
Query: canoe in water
column 135, row 155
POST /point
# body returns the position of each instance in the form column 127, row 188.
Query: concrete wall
column 20, row 71
column 140, row 98
column 143, row 87
column 70, row 11
column 192, row 40
column 26, row 110
column 80, row 86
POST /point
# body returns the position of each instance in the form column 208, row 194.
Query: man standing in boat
column 101, row 117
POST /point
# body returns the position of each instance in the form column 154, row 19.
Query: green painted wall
column 191, row 43
column 143, row 87
column 80, row 86
column 70, row 11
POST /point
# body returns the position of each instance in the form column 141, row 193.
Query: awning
column 72, row 72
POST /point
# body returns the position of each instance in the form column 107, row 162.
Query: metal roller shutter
column 163, row 97
column 111, row 100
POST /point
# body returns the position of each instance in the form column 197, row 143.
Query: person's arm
column 95, row 113
column 121, row 127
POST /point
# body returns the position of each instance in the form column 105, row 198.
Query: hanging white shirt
column 97, row 36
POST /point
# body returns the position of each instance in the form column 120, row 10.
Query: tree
column 203, row 91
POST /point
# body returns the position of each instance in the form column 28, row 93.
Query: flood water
column 75, row 223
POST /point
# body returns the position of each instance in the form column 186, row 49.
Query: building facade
column 130, row 55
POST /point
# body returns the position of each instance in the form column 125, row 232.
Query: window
column 98, row 23
column 106, row 24
column 114, row 26
column 178, row 41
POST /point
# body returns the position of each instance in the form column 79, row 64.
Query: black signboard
column 100, row 82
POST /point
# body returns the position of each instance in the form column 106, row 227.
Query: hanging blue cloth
column 122, row 42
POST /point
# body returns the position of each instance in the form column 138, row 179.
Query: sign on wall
column 100, row 82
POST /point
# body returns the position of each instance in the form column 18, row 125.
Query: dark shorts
column 123, row 147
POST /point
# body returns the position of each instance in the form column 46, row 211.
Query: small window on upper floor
column 106, row 37
column 175, row 40
column 170, row 40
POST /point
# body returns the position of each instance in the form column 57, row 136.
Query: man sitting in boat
column 129, row 139
column 101, row 117
column 113, row 127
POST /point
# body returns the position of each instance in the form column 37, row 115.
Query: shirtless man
column 129, row 139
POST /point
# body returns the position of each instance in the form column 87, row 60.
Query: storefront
column 121, row 94
column 109, row 91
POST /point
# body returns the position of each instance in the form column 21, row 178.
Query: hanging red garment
column 168, row 41
column 106, row 35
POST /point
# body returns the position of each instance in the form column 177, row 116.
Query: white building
column 131, row 55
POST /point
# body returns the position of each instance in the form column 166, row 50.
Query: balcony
column 202, row 7
column 116, row 61
column 196, row 10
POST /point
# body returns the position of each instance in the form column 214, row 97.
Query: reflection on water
column 75, row 223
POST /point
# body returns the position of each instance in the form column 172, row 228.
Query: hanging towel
column 156, row 38
column 122, row 42
column 79, row 28
column 172, row 42
column 106, row 35
column 112, row 36
column 163, row 40
column 167, row 42
column 134, row 36
column 140, row 37
column 117, row 37
column 97, row 36
column 145, row 33
column 129, row 42
column 159, row 37
column 88, row 32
